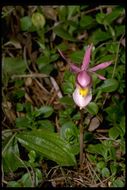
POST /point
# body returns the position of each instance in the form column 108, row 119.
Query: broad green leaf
column 13, row 184
column 109, row 18
column 67, row 100
column 98, row 149
column 92, row 108
column 86, row 22
column 105, row 58
column 122, row 58
column 119, row 30
column 65, row 115
column 25, row 23
column 22, row 122
column 88, row 137
column 109, row 85
column 48, row 144
column 45, row 111
column 105, row 172
column 73, row 24
column 45, row 124
column 68, row 88
column 113, row 132
column 122, row 124
column 118, row 183
column 9, row 156
column 63, row 47
column 101, row 165
column 19, row 107
column 69, row 84
column 18, row 94
column 32, row 156
column 14, row 65
column 72, row 10
column 44, row 62
column 77, row 56
column 70, row 133
column 25, row 180
column 113, row 167
column 100, row 18
column 62, row 13
column 100, row 36
column 112, row 48
column 61, row 32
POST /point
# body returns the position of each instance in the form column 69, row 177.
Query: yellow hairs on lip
column 83, row 91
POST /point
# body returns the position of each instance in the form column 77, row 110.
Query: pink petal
column 74, row 68
column 100, row 77
column 80, row 100
column 100, row 66
column 86, row 58
column 83, row 79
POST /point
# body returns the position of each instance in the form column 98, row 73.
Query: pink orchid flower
column 82, row 94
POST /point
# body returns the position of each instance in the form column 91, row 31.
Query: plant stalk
column 81, row 140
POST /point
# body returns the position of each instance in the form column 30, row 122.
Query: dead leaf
column 94, row 124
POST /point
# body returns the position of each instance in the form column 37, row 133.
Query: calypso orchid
column 82, row 95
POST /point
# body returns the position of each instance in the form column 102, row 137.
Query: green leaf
column 77, row 56
column 46, row 111
column 96, row 149
column 119, row 30
column 13, row 184
column 112, row 48
column 25, row 23
column 113, row 132
column 101, row 165
column 45, row 124
column 88, row 137
column 22, row 122
column 118, row 183
column 92, row 108
column 122, row 124
column 109, row 85
column 63, row 47
column 9, row 156
column 19, row 107
column 69, row 84
column 67, row 100
column 61, row 32
column 100, row 36
column 62, row 13
column 32, row 156
column 44, row 63
column 113, row 167
column 70, row 133
column 14, row 65
column 122, row 58
column 73, row 10
column 105, row 172
column 49, row 145
column 109, row 18
column 86, row 22
column 100, row 18
column 26, row 181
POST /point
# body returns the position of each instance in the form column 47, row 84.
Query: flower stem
column 81, row 140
